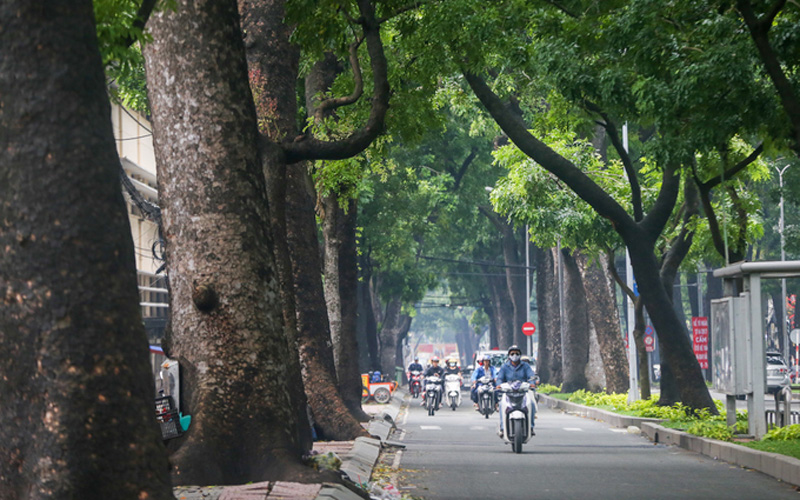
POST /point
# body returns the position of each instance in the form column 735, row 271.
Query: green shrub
column 710, row 429
column 783, row 433
column 548, row 388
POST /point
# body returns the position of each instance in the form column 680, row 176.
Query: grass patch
column 790, row 448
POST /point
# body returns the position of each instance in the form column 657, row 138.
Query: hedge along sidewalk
column 782, row 467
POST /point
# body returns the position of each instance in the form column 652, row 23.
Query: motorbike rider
column 514, row 369
column 451, row 367
column 484, row 369
column 415, row 366
column 432, row 370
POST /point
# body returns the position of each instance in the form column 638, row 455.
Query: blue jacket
column 509, row 373
column 415, row 367
column 481, row 371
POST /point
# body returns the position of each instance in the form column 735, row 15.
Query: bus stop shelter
column 738, row 347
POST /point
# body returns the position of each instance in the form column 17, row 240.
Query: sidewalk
column 782, row 467
column 358, row 459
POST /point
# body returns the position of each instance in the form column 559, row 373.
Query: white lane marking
column 430, row 427
column 477, row 428
column 573, row 429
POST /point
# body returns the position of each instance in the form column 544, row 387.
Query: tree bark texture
column 488, row 308
column 576, row 326
column 503, row 310
column 76, row 419
column 549, row 362
column 273, row 69
column 602, row 308
column 226, row 325
column 368, row 327
column 331, row 412
column 394, row 329
column 341, row 279
column 514, row 278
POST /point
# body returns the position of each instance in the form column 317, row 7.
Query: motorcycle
column 516, row 407
column 485, row 396
column 452, row 387
column 415, row 383
column 433, row 393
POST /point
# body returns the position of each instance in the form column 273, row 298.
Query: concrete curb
column 782, row 467
column 361, row 459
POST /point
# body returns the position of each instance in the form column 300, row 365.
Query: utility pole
column 784, row 329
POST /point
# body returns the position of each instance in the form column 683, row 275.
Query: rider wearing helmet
column 434, row 370
column 451, row 367
column 514, row 369
column 481, row 371
column 415, row 366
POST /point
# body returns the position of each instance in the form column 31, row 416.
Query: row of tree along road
column 250, row 98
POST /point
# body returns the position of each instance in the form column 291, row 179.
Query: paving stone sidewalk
column 358, row 459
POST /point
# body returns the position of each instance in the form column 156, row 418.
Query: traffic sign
column 528, row 328
column 795, row 336
column 648, row 340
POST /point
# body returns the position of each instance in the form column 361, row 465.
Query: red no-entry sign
column 528, row 328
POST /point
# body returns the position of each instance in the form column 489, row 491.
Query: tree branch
column 714, row 181
column 683, row 242
column 314, row 149
column 142, row 15
column 551, row 161
column 464, row 165
column 613, row 271
column 616, row 141
column 657, row 218
column 328, row 105
column 759, row 32
column 401, row 10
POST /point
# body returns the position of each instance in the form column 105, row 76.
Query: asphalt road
column 457, row 455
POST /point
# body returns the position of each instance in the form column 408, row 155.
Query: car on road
column 777, row 373
column 497, row 357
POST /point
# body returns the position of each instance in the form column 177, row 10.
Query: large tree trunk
column 488, row 308
column 226, row 325
column 333, row 415
column 76, row 419
column 676, row 350
column 514, row 279
column 341, row 281
column 394, row 329
column 270, row 79
column 367, row 326
column 576, row 327
column 272, row 62
column 503, row 310
column 602, row 308
column 549, row 362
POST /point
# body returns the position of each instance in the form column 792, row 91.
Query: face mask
column 514, row 357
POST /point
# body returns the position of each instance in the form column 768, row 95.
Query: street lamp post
column 784, row 328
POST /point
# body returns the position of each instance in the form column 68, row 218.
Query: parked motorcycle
column 415, row 383
column 452, row 387
column 433, row 393
column 485, row 396
column 516, row 406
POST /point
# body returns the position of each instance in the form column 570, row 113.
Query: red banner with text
column 700, row 340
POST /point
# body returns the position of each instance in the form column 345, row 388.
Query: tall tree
column 77, row 413
column 273, row 69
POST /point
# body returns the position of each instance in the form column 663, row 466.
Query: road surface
column 457, row 455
